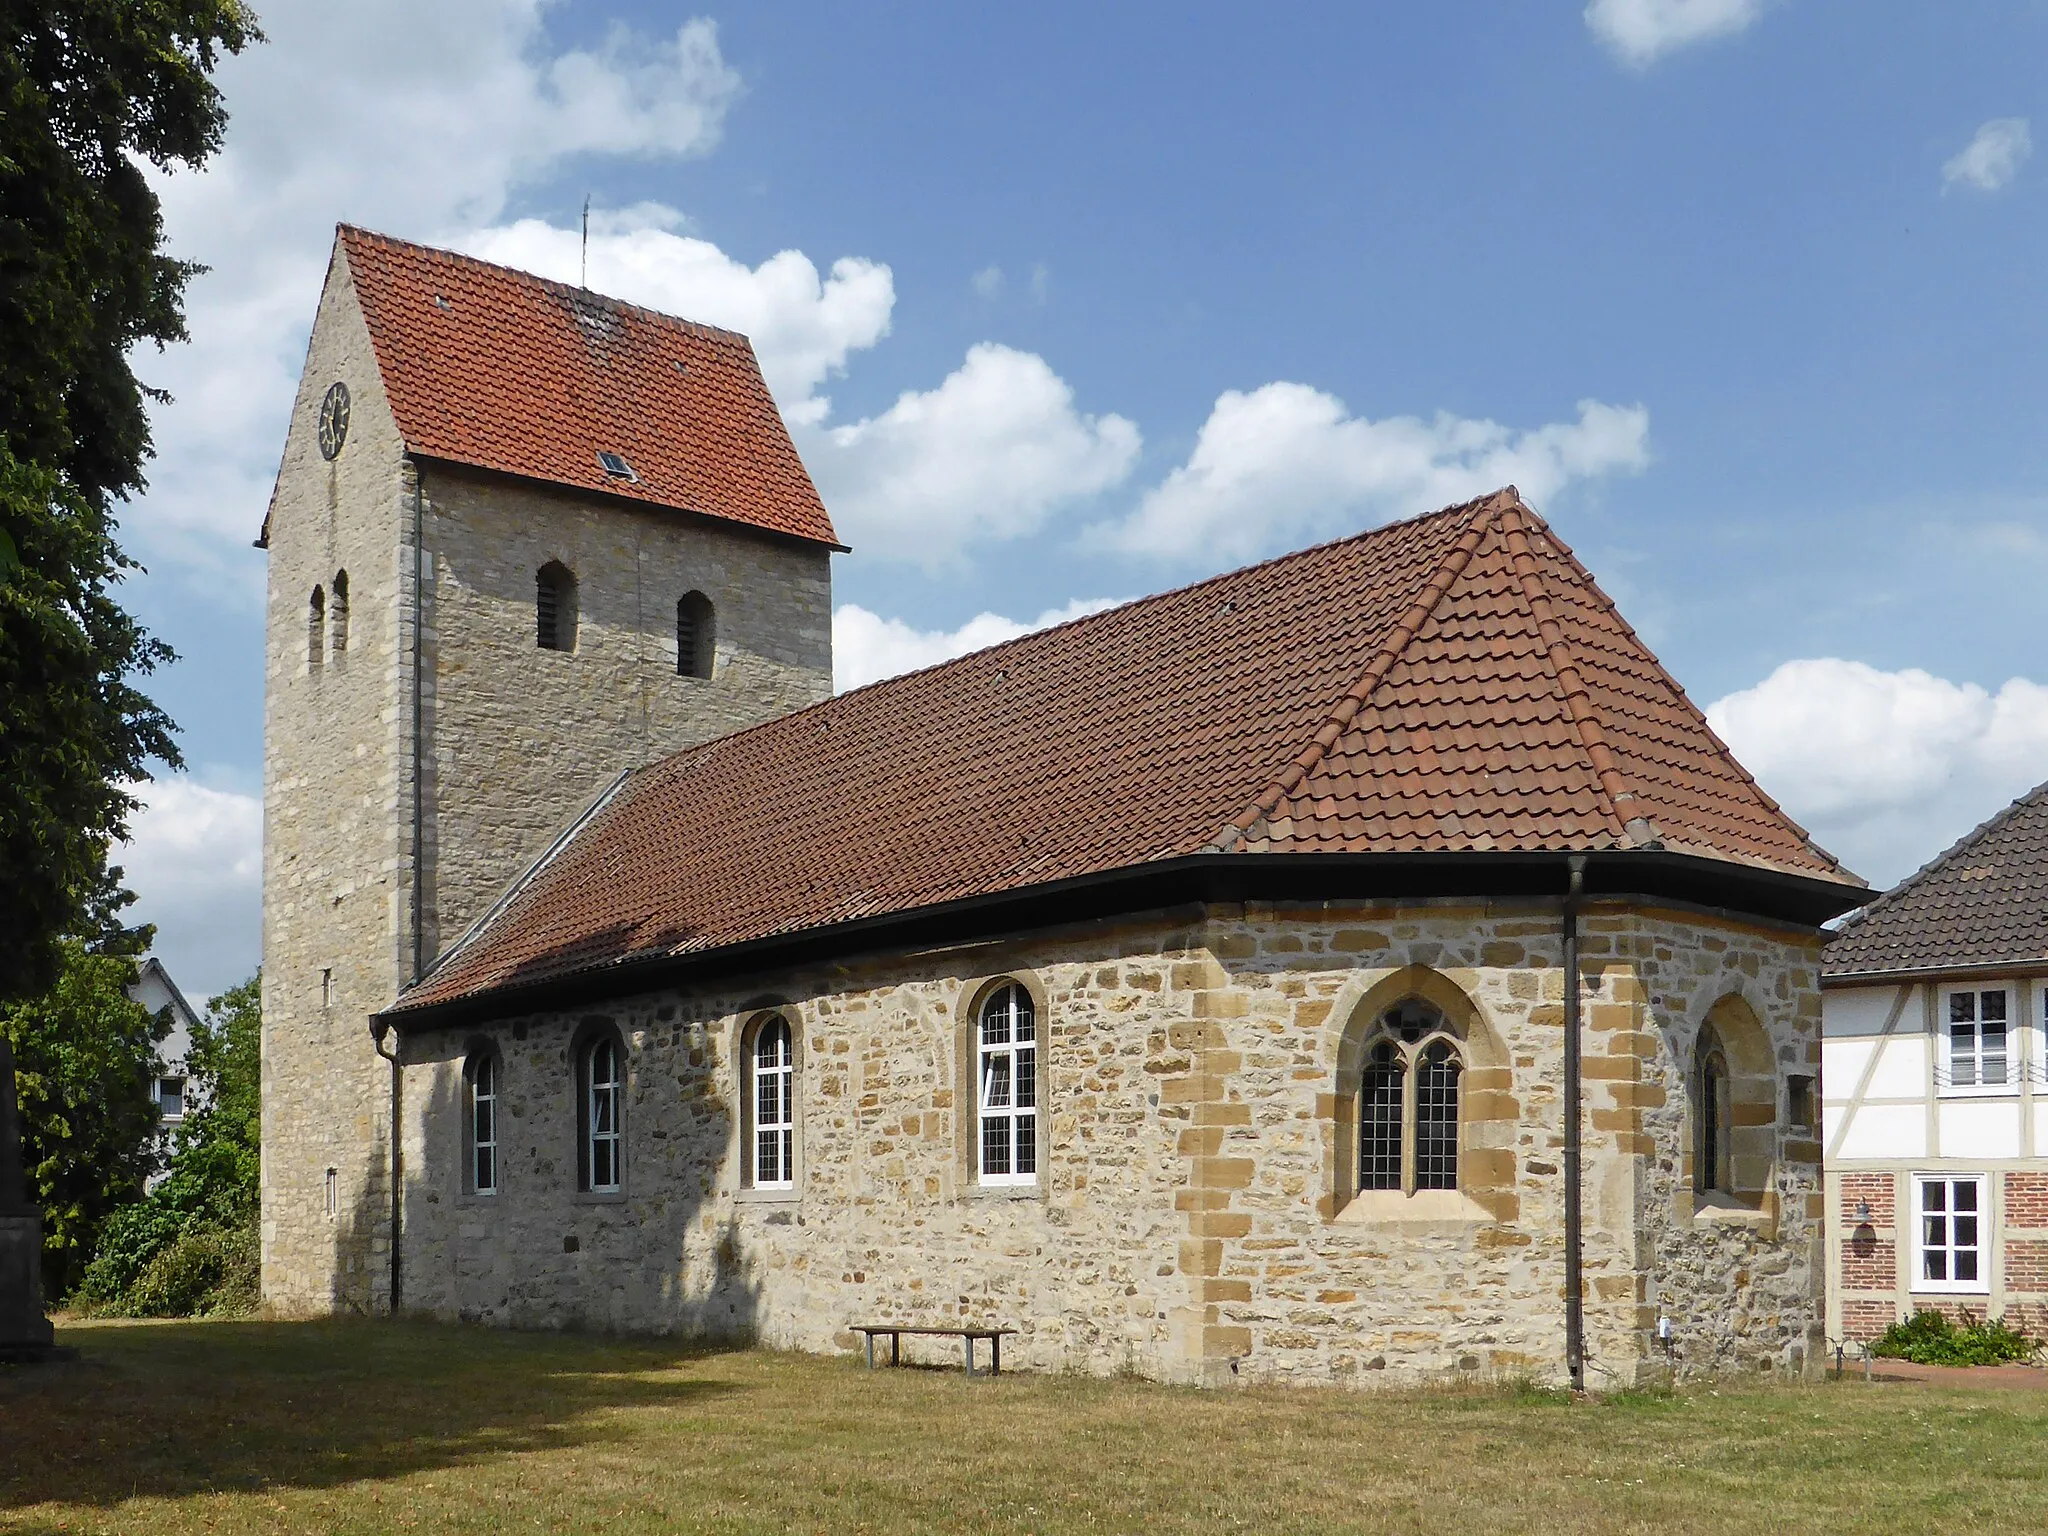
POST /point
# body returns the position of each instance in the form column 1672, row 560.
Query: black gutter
column 1574, row 1192
column 1738, row 891
column 1948, row 971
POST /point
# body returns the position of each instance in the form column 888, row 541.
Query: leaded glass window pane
column 1379, row 1120
column 1436, row 1118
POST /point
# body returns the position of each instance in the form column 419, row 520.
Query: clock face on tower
column 333, row 420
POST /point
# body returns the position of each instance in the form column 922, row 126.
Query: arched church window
column 601, row 1081
column 337, row 615
column 696, row 638
column 1711, row 1169
column 554, row 606
column 316, row 629
column 772, row 1100
column 1007, row 1092
column 1408, row 1115
column 480, row 1081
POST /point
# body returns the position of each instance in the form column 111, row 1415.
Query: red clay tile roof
column 1456, row 683
column 505, row 371
column 1984, row 902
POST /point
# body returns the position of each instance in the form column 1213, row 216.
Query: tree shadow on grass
column 175, row 1409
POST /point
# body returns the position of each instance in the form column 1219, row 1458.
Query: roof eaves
column 1231, row 835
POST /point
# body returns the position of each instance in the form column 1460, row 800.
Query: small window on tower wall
column 316, row 629
column 555, row 607
column 696, row 641
column 337, row 615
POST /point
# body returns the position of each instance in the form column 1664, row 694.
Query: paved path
column 2018, row 1378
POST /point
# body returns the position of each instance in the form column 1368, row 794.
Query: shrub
column 1931, row 1339
column 210, row 1191
column 206, row 1272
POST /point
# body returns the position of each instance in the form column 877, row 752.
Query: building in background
column 1936, row 1107
column 172, row 1090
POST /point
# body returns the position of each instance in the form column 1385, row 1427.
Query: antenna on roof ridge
column 583, row 281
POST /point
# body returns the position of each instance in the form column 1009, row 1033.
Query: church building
column 1200, row 988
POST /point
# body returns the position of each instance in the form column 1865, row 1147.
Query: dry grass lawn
column 180, row 1429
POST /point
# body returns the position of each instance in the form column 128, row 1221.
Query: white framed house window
column 1007, row 1063
column 170, row 1098
column 1948, row 1234
column 774, row 1102
column 1977, row 1047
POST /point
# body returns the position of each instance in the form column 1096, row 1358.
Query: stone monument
column 25, row 1334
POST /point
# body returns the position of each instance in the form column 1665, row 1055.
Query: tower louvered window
column 337, row 615
column 554, row 608
column 695, row 639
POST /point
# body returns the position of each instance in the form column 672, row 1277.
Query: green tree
column 92, row 94
column 209, row 1197
column 85, row 1054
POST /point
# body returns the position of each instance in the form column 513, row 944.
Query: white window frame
column 483, row 1123
column 611, row 1095
column 774, row 1126
column 1000, row 1068
column 1950, row 1182
column 171, row 1117
column 1969, row 1081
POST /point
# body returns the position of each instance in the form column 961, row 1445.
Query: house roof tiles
column 1455, row 683
column 1982, row 902
column 501, row 370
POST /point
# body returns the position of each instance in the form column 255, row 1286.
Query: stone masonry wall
column 1193, row 1218
column 333, row 886
column 520, row 740
column 524, row 738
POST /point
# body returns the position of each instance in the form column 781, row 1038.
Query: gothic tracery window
column 1408, row 1101
column 1711, row 1170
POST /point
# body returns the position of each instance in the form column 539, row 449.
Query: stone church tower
column 523, row 539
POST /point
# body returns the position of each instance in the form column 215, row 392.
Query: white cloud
column 1886, row 769
column 1642, row 31
column 867, row 647
column 803, row 327
column 1993, row 157
column 194, row 860
column 986, row 456
column 331, row 120
column 988, row 282
column 1286, row 463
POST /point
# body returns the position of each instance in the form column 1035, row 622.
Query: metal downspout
column 1574, row 1240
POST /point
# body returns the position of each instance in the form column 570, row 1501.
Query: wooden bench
column 894, row 1333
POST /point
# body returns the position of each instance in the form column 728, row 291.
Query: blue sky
column 1746, row 295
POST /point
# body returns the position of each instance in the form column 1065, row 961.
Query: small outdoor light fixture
column 1862, row 1211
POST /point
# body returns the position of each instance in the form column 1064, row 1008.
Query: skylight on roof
column 615, row 465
